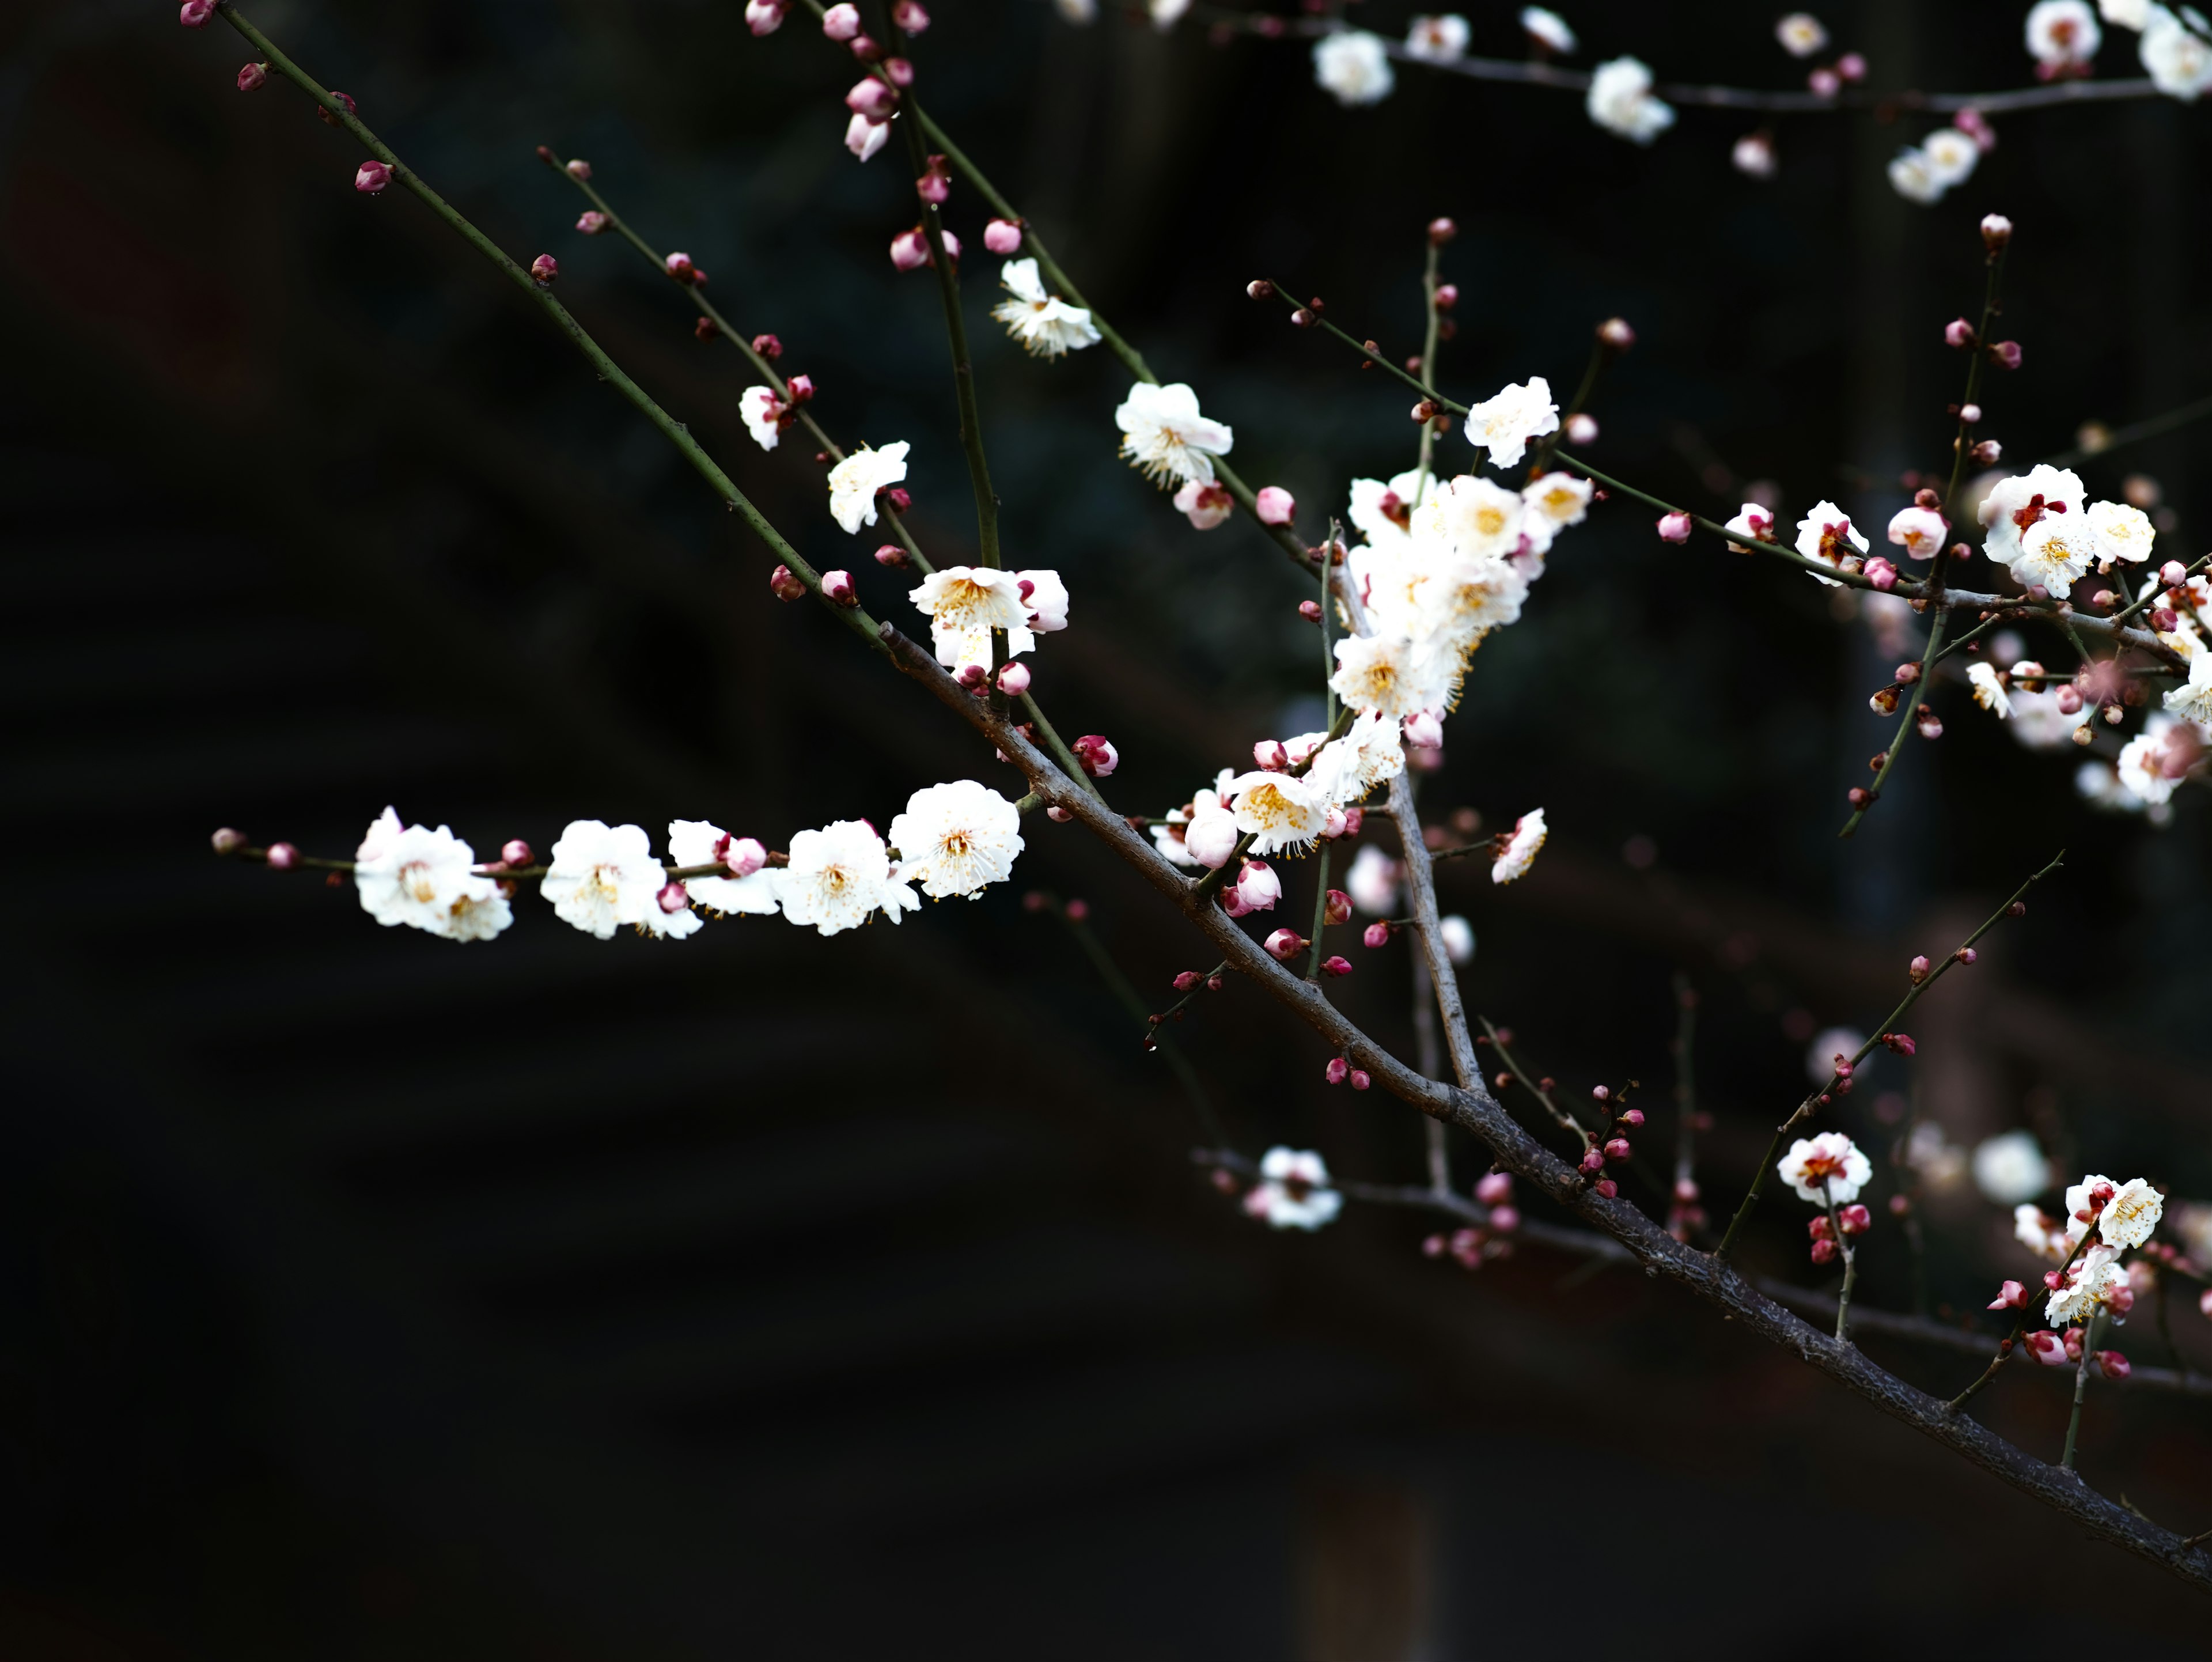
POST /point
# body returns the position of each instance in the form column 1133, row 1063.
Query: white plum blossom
column 854, row 482
column 1504, row 425
column 956, row 838
column 1353, row 68
column 702, row 843
column 2192, row 700
column 2123, row 532
column 1554, row 502
column 1988, row 692
column 1950, row 156
column 2038, row 723
column 2011, row 1168
column 2175, row 56
column 964, row 603
column 1372, row 882
column 2041, row 1234
column 2126, row 14
column 2098, row 783
column 2141, row 767
column 763, row 412
column 2014, row 505
column 1367, row 754
column 1754, row 524
column 2132, row 1214
column 1165, row 434
column 1046, row 326
column 1548, row 30
column 2090, row 1284
column 1801, row 34
column 600, row 876
column 1206, row 818
column 1458, row 936
column 1383, row 512
column 1828, row 535
column 427, row 879
column 2056, row 551
column 1912, row 176
column 1277, row 811
column 1519, row 853
column 1078, row 12
column 840, row 874
column 1166, row 13
column 2062, row 35
column 1391, row 674
column 1293, row 1191
column 1480, row 519
column 1438, row 39
column 1620, row 101
column 1752, row 155
column 1918, row 530
column 1827, row 1167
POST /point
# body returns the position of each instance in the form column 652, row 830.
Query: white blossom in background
column 2098, row 783
column 2010, row 1168
column 1988, row 692
column 956, row 839
column 1045, row 326
column 1438, row 39
column 1950, row 156
column 1831, row 1159
column 1391, row 674
column 2062, row 35
column 1912, row 176
column 760, row 407
column 2124, row 532
column 2041, row 1234
column 426, row 879
column 2126, row 14
column 854, row 482
column 2142, row 764
column 2176, row 57
column 1504, row 425
column 702, row 843
column 1458, row 938
column 1166, row 13
column 2014, row 505
column 1801, row 34
column 1826, row 534
column 1078, row 12
column 2056, row 553
column 1383, row 511
column 1166, row 437
column 2090, row 1284
column 840, row 874
column 1277, row 811
column 1620, row 101
column 1553, row 502
column 1548, row 30
column 1752, row 155
column 1372, row 882
column 2038, row 723
column 1293, row 1191
column 2192, row 700
column 1353, row 68
column 1520, row 850
column 601, row 877
column 1828, row 1045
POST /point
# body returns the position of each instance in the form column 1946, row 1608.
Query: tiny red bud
column 1442, row 231
column 785, row 584
column 227, row 842
column 768, row 346
column 1336, row 1071
column 1336, row 966
column 1360, row 1081
column 282, row 857
column 254, row 77
column 515, row 852
column 546, row 268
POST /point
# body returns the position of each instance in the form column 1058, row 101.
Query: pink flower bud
column 1601, row 1094
column 842, row 23
column 672, row 898
column 891, row 555
column 371, row 177
column 951, row 247
column 1423, row 729
column 1098, row 757
column 1286, row 944
column 2072, row 1344
column 1824, row 1252
column 1851, row 66
column 1986, row 451
column 1360, row 1081
column 1276, row 506
column 2010, row 1296
column 1257, row 887
column 1337, row 908
column 909, row 17
column 1269, row 755
column 1686, row 1190
column 1336, row 966
column 1593, row 1162
column 2069, row 701
column 972, row 676
column 1212, row 840
column 679, row 266
column 1965, row 955
column 1607, row 1187
column 837, row 585
column 1632, row 1117
column 785, row 585
column 1447, row 297
column 1674, row 527
column 1187, row 980
column 590, row 222
column 934, row 187
column 1900, row 1043
column 1002, row 236
column 344, row 100
column 1881, row 573
column 1615, row 334
column 2122, row 1299
column 1059, row 816
column 2174, row 574
column 1014, row 679
column 871, row 98
column 1616, row 1148
column 764, row 16
column 910, row 250
column 900, row 71
column 1581, row 429
column 2006, row 355
column 1337, row 1070
column 1855, row 1220
column 254, row 77
column 194, row 14
column 515, row 852
column 545, row 268
column 1376, row 933
column 1440, row 231
column 2114, row 1363
column 1824, row 82
column 1494, row 1187
column 227, row 842
column 282, row 857
column 801, row 388
column 1996, row 231
column 1818, row 1228
column 1919, row 969
column 1968, row 413
column 864, row 48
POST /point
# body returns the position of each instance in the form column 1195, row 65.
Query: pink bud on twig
column 282, row 856
column 1360, row 1081
column 1337, row 907
column 2114, row 1363
column 1336, row 966
column 1996, row 231
column 371, row 177
column 254, row 77
column 1855, row 1220
column 764, row 16
column 1632, row 1117
column 194, row 14
column 1674, row 527
column 1003, row 236
column 910, row 250
column 1014, row 679
column 1919, row 969
column 2005, row 354
column 785, row 585
column 872, row 99
column 1336, row 1071
column 515, row 852
column 545, row 268
column 1440, row 231
column 1286, row 944
column 1494, row 1187
column 2010, row 1296
column 1616, row 1148
column 1269, row 755
column 227, row 841
column 1881, row 573
column 1376, row 933
column 1581, row 429
column 1824, row 1249
column 590, row 222
column 1275, row 506
column 674, row 898
column 837, row 585
column 842, row 23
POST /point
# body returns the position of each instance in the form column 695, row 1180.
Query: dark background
column 366, row 1296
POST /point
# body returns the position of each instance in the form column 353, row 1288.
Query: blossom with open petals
column 1165, row 436
column 1989, row 692
column 1391, row 674
column 1620, row 101
column 1383, row 511
column 965, row 604
column 2175, row 56
column 1045, row 325
column 840, row 874
column 2062, row 35
column 2010, row 1168
column 600, row 876
column 1919, row 532
column 1950, row 156
column 2132, row 1214
column 1438, row 39
column 1293, row 1191
column 427, row 879
column 1353, row 68
column 956, row 839
column 1519, row 853
column 764, row 414
column 1367, row 754
column 854, row 482
column 2041, row 1234
column 2124, row 532
column 2192, row 700
column 2096, row 1275
column 1754, row 524
column 1277, row 811
column 1828, row 535
column 2016, row 504
column 702, row 843
column 1504, row 425
column 1801, row 34
column 1827, row 1167
column 1477, row 517
column 2056, row 553
column 1553, row 502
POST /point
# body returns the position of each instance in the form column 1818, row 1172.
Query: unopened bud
column 2174, row 574
column 1336, row 966
column 1337, row 1069
column 801, row 388
column 764, row 16
column 254, row 77
column 282, row 857
column 1900, row 1043
column 1615, row 334
column 1275, row 506
column 1616, row 1148
column 785, row 585
column 842, row 23
column 1359, row 1078
column 1986, row 452
column 1286, row 944
column 871, row 98
column 1442, row 231
column 1919, row 969
column 1674, row 527
column 1824, row 1249
column 371, row 177
column 672, row 898
column 1855, row 1220
column 837, row 585
column 1881, row 573
column 972, row 676
column 1014, row 679
column 1996, row 231
column 1186, row 981
column 2005, row 354
column 910, row 250
column 1632, row 1117
column 515, row 852
column 2114, row 1363
column 1447, row 297
column 1607, row 1187
column 1057, row 815
column 768, row 347
column 194, row 14
column 1336, row 908
column 227, row 842
column 1311, row 611
column 1003, row 236
column 592, row 222
column 1304, row 318
column 1593, row 1162
column 545, row 268
column 1965, row 955
column 1581, row 429
column 1960, row 333
column 1376, row 933
column 1096, row 756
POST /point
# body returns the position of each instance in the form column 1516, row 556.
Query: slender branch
column 2080, row 1386
column 2134, row 433
column 1851, row 1262
column 1911, row 713
column 1536, row 1087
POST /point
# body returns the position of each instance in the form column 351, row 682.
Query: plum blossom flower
column 1293, row 1191
column 2055, row 553
column 1520, row 850
column 2016, row 504
column 855, row 481
column 702, row 843
column 1438, row 39
column 1754, row 524
column 1828, row 535
column 1458, row 936
column 1353, row 68
column 966, row 603
column 1480, row 519
column 1989, row 692
column 864, row 137
column 1383, row 512
column 1389, row 673
column 1046, row 326
column 2131, row 1215
column 1504, row 425
column 1553, row 502
column 2063, row 36
column 600, row 876
column 2010, row 1168
column 1950, row 156
column 1918, row 530
column 1548, row 30
column 1367, row 754
column 1166, row 437
column 1372, row 882
column 839, row 875
column 2089, row 1285
column 2124, row 532
column 2153, row 763
column 765, row 415
column 1204, row 504
column 1912, row 176
column 2041, row 1234
column 956, row 838
column 1620, row 101
column 1277, row 811
column 1166, row 13
column 2175, row 56
column 2126, row 14
column 1801, row 34
column 2192, row 700
column 427, row 879
column 1824, row 1168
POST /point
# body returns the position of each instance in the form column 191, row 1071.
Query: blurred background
column 366, row 1296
